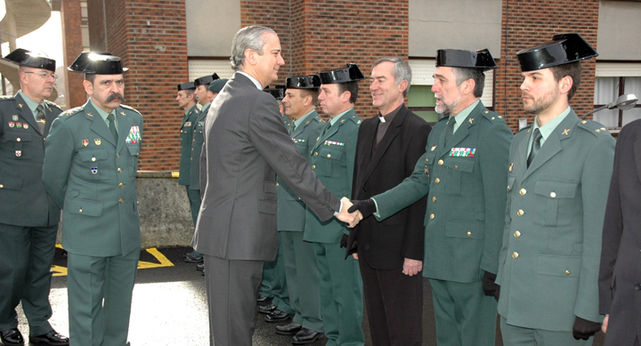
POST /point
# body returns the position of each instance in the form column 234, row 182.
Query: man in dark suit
column 28, row 217
column 620, row 272
column 91, row 160
column 245, row 144
column 390, row 252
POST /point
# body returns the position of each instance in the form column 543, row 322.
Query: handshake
column 352, row 212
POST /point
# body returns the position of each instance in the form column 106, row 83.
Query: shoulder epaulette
column 593, row 127
column 53, row 104
column 7, row 98
column 130, row 108
column 491, row 115
column 71, row 112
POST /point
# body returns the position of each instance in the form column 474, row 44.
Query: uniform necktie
column 450, row 129
column 40, row 118
column 112, row 125
column 327, row 126
column 536, row 145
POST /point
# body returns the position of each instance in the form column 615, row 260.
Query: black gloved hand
column 490, row 288
column 344, row 240
column 584, row 329
column 365, row 206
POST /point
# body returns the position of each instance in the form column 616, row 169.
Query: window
column 606, row 90
column 421, row 101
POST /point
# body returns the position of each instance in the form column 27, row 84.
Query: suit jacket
column 93, row 178
column 465, row 178
column 620, row 271
column 247, row 145
column 291, row 209
column 549, row 260
column 186, row 137
column 25, row 201
column 198, row 132
column 385, row 244
column 332, row 158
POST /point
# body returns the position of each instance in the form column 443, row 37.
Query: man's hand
column 584, row 329
column 412, row 267
column 490, row 288
column 604, row 326
column 365, row 207
column 351, row 219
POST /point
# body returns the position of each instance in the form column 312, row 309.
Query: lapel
column 553, row 143
column 520, row 152
column 298, row 130
column 462, row 132
column 97, row 124
column 124, row 127
column 392, row 132
column 26, row 114
column 637, row 156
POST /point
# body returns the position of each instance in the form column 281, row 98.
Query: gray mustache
column 115, row 96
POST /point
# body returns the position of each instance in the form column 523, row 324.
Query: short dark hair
column 573, row 70
column 477, row 75
column 311, row 92
column 90, row 77
column 352, row 87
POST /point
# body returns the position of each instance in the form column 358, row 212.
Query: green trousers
column 464, row 315
column 302, row 280
column 341, row 295
column 26, row 256
column 274, row 284
column 99, row 294
column 520, row 336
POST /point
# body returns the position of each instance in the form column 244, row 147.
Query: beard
column 444, row 108
column 538, row 106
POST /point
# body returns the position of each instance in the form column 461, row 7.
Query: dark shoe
column 200, row 267
column 277, row 316
column 290, row 328
column 52, row 338
column 262, row 299
column 11, row 337
column 190, row 257
column 306, row 336
column 265, row 309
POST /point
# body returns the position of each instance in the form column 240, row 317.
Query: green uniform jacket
column 549, row 261
column 196, row 147
column 290, row 215
column 186, row 136
column 93, row 178
column 22, row 147
column 332, row 158
column 465, row 213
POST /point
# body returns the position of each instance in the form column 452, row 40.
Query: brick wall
column 528, row 23
column 320, row 35
column 72, row 45
column 151, row 38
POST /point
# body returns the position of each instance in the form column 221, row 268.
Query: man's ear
column 88, row 87
column 565, row 84
column 345, row 96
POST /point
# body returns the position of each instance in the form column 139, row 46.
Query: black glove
column 344, row 240
column 584, row 329
column 365, row 206
column 490, row 288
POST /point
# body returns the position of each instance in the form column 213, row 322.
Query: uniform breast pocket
column 457, row 170
column 21, row 142
column 94, row 163
column 134, row 152
column 332, row 161
column 556, row 200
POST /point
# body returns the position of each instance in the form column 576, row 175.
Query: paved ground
column 170, row 306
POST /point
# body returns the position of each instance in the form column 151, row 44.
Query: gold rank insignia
column 566, row 132
column 20, row 105
column 486, row 111
column 433, row 147
column 89, row 114
column 122, row 113
column 500, row 117
column 511, row 166
column 342, row 121
column 471, row 121
column 97, row 141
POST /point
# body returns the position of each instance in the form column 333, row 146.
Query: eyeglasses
column 43, row 75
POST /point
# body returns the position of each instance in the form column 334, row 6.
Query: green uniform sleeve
column 57, row 162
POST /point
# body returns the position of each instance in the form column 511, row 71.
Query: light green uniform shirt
column 301, row 119
column 31, row 104
column 333, row 120
column 104, row 114
column 546, row 129
column 462, row 115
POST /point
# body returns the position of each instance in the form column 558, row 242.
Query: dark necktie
column 40, row 118
column 112, row 125
column 327, row 126
column 450, row 129
column 536, row 145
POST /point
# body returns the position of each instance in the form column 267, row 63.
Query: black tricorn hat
column 97, row 63
column 481, row 59
column 24, row 57
column 186, row 86
column 205, row 80
column 349, row 73
column 564, row 49
column 304, row 82
column 278, row 91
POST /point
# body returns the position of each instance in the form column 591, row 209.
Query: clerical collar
column 389, row 116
